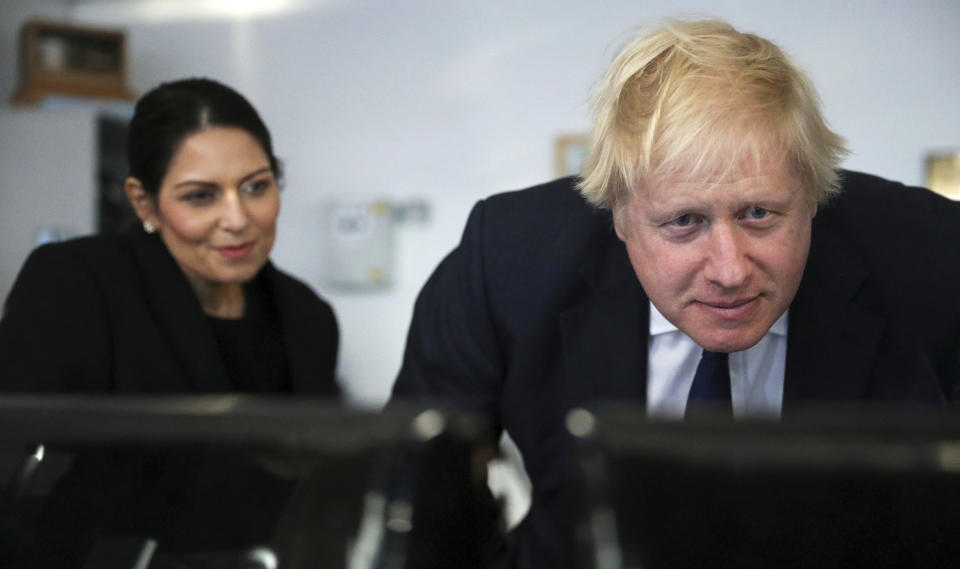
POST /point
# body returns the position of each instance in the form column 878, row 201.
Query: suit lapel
column 299, row 332
column 832, row 342
column 605, row 333
column 179, row 316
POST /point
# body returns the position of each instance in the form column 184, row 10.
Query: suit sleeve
column 947, row 358
column 453, row 355
column 453, row 352
column 940, row 224
column 53, row 334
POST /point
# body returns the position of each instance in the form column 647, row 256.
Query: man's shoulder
column 559, row 190
column 904, row 237
column 870, row 199
column 888, row 216
column 549, row 232
column 553, row 209
column 556, row 196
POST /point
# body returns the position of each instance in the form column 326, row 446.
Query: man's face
column 721, row 259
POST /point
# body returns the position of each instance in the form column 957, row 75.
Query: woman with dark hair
column 190, row 303
column 186, row 303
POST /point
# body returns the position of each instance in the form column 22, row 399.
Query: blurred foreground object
column 123, row 483
column 825, row 488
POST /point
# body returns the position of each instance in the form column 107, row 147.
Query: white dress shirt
column 756, row 374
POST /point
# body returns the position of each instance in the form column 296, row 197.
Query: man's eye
column 757, row 212
column 685, row 220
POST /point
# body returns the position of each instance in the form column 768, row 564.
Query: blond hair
column 698, row 98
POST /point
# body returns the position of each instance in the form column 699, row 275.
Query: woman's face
column 217, row 206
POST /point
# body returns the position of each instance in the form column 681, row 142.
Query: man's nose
column 234, row 216
column 727, row 264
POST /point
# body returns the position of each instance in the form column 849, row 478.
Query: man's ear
column 618, row 221
column 813, row 205
column 620, row 235
column 143, row 203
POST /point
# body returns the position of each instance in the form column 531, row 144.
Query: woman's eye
column 256, row 187
column 199, row 197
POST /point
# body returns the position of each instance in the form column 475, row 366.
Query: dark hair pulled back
column 166, row 115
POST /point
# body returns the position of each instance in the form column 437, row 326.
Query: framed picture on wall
column 58, row 59
column 569, row 152
column 943, row 173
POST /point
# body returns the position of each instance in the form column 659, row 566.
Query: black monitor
column 826, row 488
column 233, row 481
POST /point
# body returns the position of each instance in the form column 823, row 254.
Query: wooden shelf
column 62, row 59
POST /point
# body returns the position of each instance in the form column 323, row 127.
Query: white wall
column 452, row 100
column 47, row 181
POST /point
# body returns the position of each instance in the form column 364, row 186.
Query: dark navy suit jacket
column 538, row 310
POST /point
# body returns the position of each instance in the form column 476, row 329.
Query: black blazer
column 116, row 314
column 538, row 310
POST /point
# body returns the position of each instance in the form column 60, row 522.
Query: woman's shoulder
column 67, row 271
column 90, row 251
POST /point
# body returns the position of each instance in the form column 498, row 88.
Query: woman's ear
column 143, row 203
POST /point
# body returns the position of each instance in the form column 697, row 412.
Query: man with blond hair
column 710, row 254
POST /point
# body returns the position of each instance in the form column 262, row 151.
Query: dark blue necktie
column 711, row 384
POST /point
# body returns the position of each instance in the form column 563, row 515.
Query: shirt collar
column 660, row 325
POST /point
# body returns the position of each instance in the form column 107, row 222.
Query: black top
column 252, row 346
